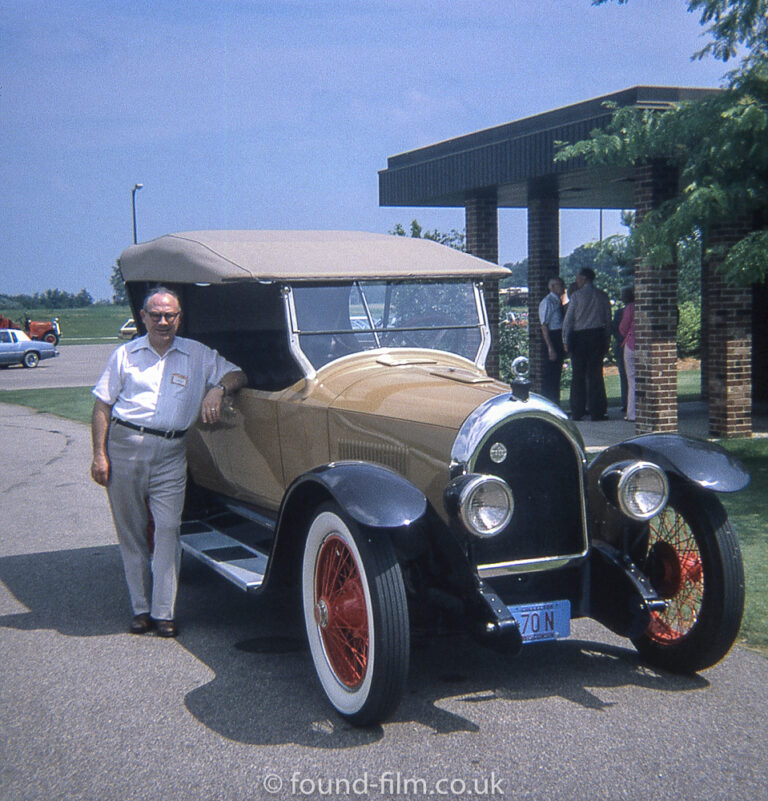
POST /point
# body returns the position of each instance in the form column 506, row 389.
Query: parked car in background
column 45, row 330
column 128, row 329
column 17, row 348
column 373, row 471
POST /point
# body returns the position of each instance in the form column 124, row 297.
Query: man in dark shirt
column 586, row 336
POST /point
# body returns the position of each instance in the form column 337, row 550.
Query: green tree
column 610, row 259
column 453, row 238
column 689, row 270
column 719, row 144
column 59, row 299
column 518, row 274
column 119, row 296
column 8, row 302
column 689, row 329
column 50, row 299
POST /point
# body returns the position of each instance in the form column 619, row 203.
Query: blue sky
column 279, row 114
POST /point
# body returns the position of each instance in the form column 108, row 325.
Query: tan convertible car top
column 221, row 256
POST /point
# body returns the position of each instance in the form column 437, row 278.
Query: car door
column 245, row 447
column 8, row 353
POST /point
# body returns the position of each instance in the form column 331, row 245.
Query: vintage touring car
column 373, row 469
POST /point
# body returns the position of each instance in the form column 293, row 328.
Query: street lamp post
column 133, row 203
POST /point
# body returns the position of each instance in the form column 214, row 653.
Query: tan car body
column 366, row 407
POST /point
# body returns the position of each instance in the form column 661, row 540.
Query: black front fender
column 703, row 465
column 696, row 461
column 375, row 497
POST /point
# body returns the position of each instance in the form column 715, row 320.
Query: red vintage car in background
column 43, row 330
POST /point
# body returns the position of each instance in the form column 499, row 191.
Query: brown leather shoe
column 166, row 628
column 141, row 624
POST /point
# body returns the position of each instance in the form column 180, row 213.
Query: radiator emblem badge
column 498, row 453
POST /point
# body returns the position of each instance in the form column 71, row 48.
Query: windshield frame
column 479, row 323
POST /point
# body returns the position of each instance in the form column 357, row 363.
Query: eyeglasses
column 157, row 316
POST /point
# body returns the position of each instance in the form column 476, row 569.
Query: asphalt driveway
column 231, row 710
column 75, row 366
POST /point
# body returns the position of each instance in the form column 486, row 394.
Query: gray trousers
column 148, row 472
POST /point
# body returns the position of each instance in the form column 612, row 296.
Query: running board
column 208, row 541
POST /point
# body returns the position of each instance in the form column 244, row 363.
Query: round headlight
column 642, row 490
column 486, row 505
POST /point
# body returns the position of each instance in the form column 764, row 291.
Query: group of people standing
column 578, row 324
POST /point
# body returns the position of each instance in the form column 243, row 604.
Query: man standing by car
column 586, row 334
column 150, row 393
column 551, row 319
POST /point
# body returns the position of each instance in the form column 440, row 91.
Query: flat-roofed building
column 512, row 166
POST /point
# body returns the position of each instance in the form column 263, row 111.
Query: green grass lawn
column 747, row 512
column 688, row 387
column 87, row 326
column 74, row 403
column 746, row 508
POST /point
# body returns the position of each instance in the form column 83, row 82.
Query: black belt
column 146, row 430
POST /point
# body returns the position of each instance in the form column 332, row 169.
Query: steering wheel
column 429, row 320
column 339, row 347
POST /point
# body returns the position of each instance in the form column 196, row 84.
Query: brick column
column 728, row 345
column 759, row 345
column 704, row 335
column 482, row 222
column 655, row 314
column 543, row 264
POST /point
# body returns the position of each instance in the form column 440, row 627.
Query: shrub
column 689, row 329
column 513, row 342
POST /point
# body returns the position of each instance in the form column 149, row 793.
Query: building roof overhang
column 518, row 157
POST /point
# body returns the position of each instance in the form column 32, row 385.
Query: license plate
column 545, row 621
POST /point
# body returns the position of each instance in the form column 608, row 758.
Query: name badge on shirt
column 179, row 379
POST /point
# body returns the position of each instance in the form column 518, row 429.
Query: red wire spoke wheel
column 675, row 569
column 355, row 615
column 693, row 561
column 340, row 611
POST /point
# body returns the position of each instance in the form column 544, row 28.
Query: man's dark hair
column 588, row 273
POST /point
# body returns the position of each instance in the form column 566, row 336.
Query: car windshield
column 339, row 319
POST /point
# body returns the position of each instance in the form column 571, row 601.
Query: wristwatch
column 221, row 387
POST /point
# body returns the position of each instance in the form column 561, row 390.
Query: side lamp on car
column 639, row 489
column 520, row 384
column 484, row 504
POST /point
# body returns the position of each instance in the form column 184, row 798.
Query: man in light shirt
column 551, row 320
column 151, row 392
column 586, row 334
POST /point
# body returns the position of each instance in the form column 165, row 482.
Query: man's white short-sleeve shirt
column 164, row 392
column 551, row 312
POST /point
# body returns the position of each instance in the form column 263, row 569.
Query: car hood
column 423, row 389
